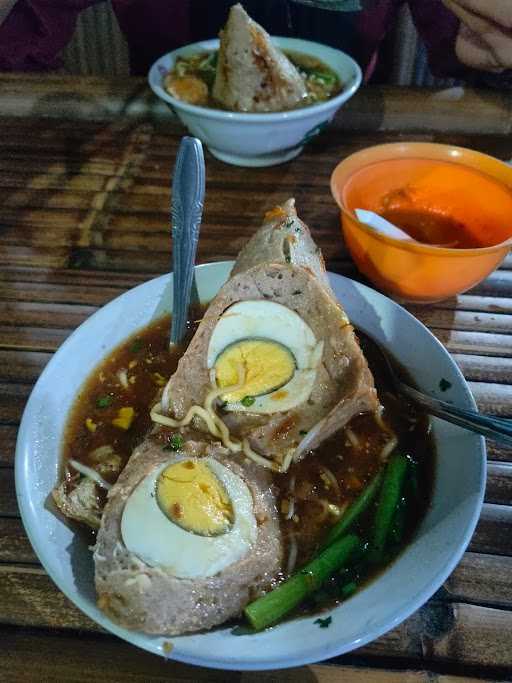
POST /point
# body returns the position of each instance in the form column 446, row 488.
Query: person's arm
column 438, row 27
column 34, row 33
column 451, row 50
column 484, row 40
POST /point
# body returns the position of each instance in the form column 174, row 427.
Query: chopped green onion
column 247, row 401
column 104, row 401
column 209, row 62
column 175, row 443
column 444, row 384
column 323, row 77
column 273, row 606
column 136, row 346
column 323, row 623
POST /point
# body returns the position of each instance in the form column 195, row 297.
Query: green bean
column 273, row 606
column 348, row 589
column 389, row 496
column 396, row 533
column 355, row 510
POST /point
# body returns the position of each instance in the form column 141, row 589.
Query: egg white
column 148, row 533
column 273, row 321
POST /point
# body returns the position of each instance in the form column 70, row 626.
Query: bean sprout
column 331, row 478
column 352, row 437
column 90, row 474
column 291, row 508
column 389, row 447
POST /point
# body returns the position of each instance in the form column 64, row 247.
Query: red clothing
column 35, row 32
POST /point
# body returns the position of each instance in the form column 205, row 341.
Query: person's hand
column 484, row 40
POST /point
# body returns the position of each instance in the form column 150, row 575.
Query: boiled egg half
column 191, row 516
column 272, row 348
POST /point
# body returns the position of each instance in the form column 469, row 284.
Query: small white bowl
column 416, row 574
column 246, row 139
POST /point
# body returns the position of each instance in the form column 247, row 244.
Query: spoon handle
column 186, row 210
column 497, row 428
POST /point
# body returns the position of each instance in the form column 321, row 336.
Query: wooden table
column 84, row 209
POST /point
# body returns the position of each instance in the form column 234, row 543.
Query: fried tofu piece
column 80, row 504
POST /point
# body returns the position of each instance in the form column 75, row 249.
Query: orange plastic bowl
column 415, row 271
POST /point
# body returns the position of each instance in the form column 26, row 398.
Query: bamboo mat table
column 84, row 208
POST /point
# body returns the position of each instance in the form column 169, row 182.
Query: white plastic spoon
column 380, row 224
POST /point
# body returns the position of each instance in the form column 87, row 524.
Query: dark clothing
column 35, row 31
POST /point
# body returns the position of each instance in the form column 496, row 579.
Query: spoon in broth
column 422, row 227
column 188, row 187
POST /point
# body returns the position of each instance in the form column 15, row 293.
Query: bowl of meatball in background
column 247, row 138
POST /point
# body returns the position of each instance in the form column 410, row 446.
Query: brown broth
column 147, row 358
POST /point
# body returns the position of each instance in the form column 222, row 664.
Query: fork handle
column 496, row 428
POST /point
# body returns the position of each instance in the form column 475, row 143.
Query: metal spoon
column 186, row 210
column 496, row 428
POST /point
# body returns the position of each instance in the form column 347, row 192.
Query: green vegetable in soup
column 354, row 511
column 389, row 497
column 207, row 68
column 273, row 606
column 344, row 560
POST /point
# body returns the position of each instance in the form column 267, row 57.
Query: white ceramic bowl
column 402, row 588
column 258, row 139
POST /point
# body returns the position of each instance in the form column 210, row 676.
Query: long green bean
column 355, row 510
column 268, row 609
column 389, row 496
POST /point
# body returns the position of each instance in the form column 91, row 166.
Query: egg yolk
column 268, row 365
column 193, row 498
